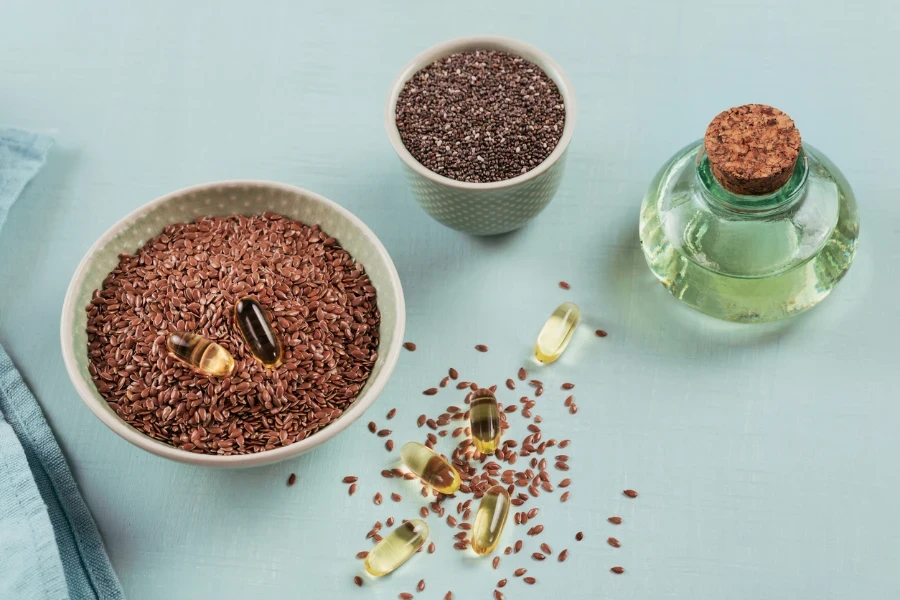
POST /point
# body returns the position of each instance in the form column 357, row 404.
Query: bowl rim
column 481, row 42
column 145, row 442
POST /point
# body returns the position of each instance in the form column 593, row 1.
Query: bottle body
column 749, row 258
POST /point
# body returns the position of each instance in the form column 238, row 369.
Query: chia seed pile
column 322, row 307
column 480, row 116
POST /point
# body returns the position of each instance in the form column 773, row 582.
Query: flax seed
column 292, row 479
column 430, row 391
column 409, row 346
column 630, row 493
column 615, row 520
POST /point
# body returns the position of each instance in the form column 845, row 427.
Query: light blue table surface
column 765, row 456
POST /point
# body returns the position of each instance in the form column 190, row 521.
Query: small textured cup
column 229, row 198
column 484, row 208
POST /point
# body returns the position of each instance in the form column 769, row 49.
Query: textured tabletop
column 764, row 456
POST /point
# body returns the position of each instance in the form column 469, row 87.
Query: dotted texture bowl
column 228, row 198
column 484, row 208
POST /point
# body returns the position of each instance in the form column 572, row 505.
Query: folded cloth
column 49, row 545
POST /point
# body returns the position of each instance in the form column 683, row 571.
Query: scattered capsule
column 396, row 548
column 431, row 467
column 200, row 353
column 556, row 333
column 490, row 520
column 257, row 332
column 484, row 419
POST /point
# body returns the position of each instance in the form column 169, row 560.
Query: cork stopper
column 752, row 149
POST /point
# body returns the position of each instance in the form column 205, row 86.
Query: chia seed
column 480, row 116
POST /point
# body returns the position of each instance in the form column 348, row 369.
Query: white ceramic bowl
column 484, row 208
column 228, row 198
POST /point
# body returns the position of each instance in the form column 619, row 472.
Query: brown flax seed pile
column 321, row 303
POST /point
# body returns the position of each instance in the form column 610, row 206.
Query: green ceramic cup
column 484, row 208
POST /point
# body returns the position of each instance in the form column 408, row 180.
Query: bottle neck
column 763, row 205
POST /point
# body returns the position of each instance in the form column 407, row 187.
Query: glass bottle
column 748, row 224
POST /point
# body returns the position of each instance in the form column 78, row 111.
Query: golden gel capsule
column 484, row 419
column 557, row 332
column 200, row 353
column 431, row 467
column 257, row 332
column 397, row 547
column 490, row 520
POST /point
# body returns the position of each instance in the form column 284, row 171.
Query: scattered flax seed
column 561, row 466
column 445, row 381
column 564, row 483
column 630, row 493
column 613, row 542
column 523, row 374
column 389, row 521
column 463, row 385
column 421, row 585
column 409, row 346
column 396, row 497
column 448, row 596
column 601, row 333
column 565, row 285
column 563, row 555
column 617, row 570
column 352, row 490
column 384, row 433
column 573, row 409
column 387, row 474
column 510, row 384
column 498, row 595
column 473, row 386
column 496, row 562
column 377, row 499
column 615, row 520
column 358, row 580
column 350, row 479
column 389, row 445
column 391, row 413
column 564, row 497
column 519, row 572
column 420, row 421
column 292, row 479
column 454, row 374
column 579, row 536
column 481, row 348
column 518, row 546
column 530, row 580
column 373, row 427
column 424, row 512
column 431, row 548
column 546, row 548
column 405, row 596
column 362, row 554
column 538, row 556
column 501, row 583
column 539, row 392
column 430, row 391
column 564, row 443
column 568, row 386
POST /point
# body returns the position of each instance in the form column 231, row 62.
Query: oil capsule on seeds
column 490, row 520
column 200, row 353
column 431, row 467
column 484, row 420
column 556, row 333
column 257, row 332
column 397, row 547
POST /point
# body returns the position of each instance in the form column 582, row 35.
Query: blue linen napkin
column 49, row 545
